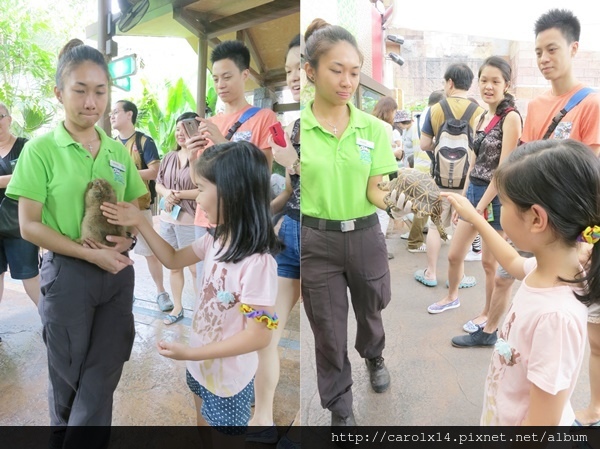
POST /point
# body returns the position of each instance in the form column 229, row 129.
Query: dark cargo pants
column 88, row 329
column 331, row 263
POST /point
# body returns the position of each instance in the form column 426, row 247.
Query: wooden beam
column 189, row 21
column 256, row 77
column 249, row 42
column 287, row 107
column 252, row 17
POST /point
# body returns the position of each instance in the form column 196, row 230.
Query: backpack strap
column 243, row 119
column 573, row 101
column 138, row 145
column 469, row 112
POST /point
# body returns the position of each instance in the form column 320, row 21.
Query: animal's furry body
column 95, row 226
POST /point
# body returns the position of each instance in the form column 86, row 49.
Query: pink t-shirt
column 580, row 123
column 254, row 130
column 217, row 314
column 542, row 342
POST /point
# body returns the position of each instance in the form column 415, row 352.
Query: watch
column 133, row 240
column 388, row 210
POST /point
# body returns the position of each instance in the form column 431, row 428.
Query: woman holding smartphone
column 175, row 186
column 346, row 153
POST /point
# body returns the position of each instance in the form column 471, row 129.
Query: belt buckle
column 347, row 226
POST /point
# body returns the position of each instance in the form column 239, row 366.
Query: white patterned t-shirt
column 217, row 314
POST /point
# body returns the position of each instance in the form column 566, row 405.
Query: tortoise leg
column 438, row 223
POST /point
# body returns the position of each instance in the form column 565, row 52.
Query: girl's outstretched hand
column 463, row 206
column 172, row 350
column 124, row 214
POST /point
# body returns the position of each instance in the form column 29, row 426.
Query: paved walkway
column 433, row 383
column 152, row 390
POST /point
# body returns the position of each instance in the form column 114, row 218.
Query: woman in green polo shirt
column 345, row 154
column 86, row 289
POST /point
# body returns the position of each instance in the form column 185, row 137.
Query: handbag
column 9, row 211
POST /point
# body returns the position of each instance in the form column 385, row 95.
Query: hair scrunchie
column 272, row 322
column 590, row 235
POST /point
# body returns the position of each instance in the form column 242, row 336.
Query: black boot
column 378, row 373
column 338, row 421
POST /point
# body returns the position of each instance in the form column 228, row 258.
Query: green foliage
column 416, row 106
column 26, row 66
column 159, row 122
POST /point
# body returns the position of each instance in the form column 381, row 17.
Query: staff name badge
column 118, row 171
column 365, row 147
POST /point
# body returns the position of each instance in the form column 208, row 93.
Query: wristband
column 133, row 240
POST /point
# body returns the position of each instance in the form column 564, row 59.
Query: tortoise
column 422, row 191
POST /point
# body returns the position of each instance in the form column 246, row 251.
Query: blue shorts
column 21, row 256
column 288, row 261
column 227, row 415
column 475, row 193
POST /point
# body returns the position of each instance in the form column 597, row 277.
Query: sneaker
column 164, row 302
column 378, row 374
column 420, row 249
column 436, row 308
column 471, row 327
column 338, row 421
column 264, row 435
column 473, row 256
column 476, row 245
column 404, row 236
column 475, row 340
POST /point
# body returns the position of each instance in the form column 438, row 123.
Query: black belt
column 337, row 225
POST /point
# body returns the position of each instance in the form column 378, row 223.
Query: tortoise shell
column 422, row 191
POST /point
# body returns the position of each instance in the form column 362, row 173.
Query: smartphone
column 278, row 134
column 191, row 126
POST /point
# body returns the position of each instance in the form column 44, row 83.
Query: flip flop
column 420, row 277
column 466, row 282
column 172, row 319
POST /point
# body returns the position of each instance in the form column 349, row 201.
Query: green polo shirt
column 55, row 170
column 335, row 173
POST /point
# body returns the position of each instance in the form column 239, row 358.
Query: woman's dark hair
column 506, row 71
column 563, row 177
column 243, row 179
column 74, row 53
column 184, row 116
column 321, row 36
column 295, row 42
column 562, row 19
column 385, row 110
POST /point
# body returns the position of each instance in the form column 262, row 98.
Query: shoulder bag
column 9, row 211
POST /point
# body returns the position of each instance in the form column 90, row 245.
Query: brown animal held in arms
column 95, row 226
column 422, row 191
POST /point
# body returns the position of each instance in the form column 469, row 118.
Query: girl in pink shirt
column 234, row 314
column 550, row 195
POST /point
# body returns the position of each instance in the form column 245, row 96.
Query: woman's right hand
column 284, row 156
column 463, row 207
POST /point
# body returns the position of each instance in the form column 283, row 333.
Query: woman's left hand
column 172, row 350
column 284, row 156
column 480, row 208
